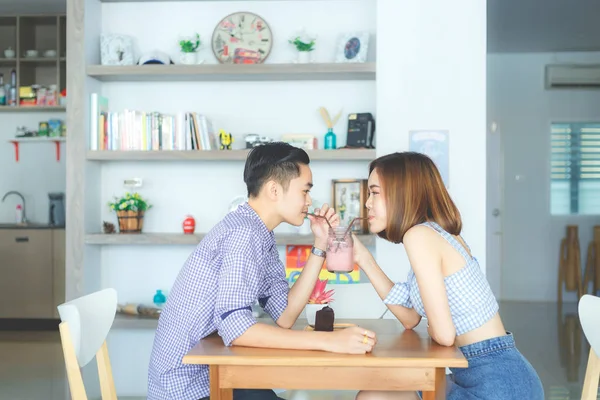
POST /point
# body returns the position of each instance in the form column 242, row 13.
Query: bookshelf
column 233, row 72
column 269, row 91
column 31, row 109
column 222, row 155
column 40, row 33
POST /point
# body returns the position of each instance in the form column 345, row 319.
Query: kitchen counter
column 29, row 225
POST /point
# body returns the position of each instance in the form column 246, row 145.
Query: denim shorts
column 497, row 371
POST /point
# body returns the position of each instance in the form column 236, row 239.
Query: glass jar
column 340, row 250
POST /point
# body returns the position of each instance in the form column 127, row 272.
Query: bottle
column 19, row 214
column 2, row 91
column 159, row 299
column 12, row 98
column 330, row 142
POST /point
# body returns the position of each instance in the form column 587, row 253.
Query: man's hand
column 353, row 340
column 320, row 227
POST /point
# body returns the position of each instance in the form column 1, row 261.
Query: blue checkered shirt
column 235, row 265
column 470, row 297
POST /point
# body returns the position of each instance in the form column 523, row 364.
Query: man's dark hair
column 277, row 160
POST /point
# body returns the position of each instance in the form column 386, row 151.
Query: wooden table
column 401, row 360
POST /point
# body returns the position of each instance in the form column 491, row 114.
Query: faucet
column 22, row 198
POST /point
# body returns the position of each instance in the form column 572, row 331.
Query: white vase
column 304, row 57
column 188, row 58
column 311, row 312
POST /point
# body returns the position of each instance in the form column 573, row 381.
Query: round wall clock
column 242, row 38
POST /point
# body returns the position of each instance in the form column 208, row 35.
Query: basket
column 130, row 221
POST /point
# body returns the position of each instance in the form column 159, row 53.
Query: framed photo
column 306, row 142
column 348, row 198
column 352, row 47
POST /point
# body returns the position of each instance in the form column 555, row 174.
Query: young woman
column 409, row 204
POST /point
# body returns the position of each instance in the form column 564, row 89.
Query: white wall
column 435, row 79
column 524, row 111
column 269, row 108
column 35, row 175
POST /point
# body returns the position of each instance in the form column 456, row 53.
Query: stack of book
column 147, row 131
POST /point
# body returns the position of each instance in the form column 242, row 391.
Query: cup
column 340, row 250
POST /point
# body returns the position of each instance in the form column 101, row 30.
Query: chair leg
column 73, row 372
column 592, row 375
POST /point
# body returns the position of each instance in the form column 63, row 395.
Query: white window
column 575, row 169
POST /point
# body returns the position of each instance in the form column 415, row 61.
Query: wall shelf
column 19, row 109
column 223, row 155
column 56, row 140
column 233, row 72
column 182, row 239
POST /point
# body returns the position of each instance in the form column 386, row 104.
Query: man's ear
column 272, row 190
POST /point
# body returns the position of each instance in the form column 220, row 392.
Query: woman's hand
column 362, row 256
column 320, row 227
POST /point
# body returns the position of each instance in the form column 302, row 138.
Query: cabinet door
column 58, row 266
column 26, row 283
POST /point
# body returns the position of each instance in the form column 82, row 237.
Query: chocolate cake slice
column 324, row 319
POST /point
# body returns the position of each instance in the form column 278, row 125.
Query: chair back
column 86, row 322
column 589, row 316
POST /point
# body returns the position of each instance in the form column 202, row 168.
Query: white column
column 431, row 74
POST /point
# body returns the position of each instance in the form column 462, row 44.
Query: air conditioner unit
column 573, row 76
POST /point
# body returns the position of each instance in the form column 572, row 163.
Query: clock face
column 242, row 38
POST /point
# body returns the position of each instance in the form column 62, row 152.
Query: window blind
column 575, row 169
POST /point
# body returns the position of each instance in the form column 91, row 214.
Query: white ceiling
column 513, row 25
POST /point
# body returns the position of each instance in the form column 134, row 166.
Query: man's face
column 294, row 203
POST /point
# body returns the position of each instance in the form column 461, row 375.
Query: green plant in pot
column 189, row 47
column 304, row 45
column 130, row 210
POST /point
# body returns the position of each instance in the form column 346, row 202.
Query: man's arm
column 238, row 288
column 302, row 288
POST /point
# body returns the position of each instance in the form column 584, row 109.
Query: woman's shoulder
column 418, row 233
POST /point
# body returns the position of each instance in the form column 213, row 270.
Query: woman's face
column 376, row 205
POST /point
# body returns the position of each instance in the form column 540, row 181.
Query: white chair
column 589, row 315
column 85, row 324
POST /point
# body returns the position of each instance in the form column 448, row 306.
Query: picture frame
column 348, row 198
column 352, row 47
column 306, row 142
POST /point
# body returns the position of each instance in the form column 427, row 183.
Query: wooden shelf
column 182, row 239
column 10, row 109
column 125, row 321
column 57, row 140
column 233, row 72
column 224, row 155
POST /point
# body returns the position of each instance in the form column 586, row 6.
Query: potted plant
column 188, row 50
column 304, row 44
column 318, row 299
column 130, row 211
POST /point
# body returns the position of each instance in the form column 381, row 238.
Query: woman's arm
column 383, row 286
column 426, row 262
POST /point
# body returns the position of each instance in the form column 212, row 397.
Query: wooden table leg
column 440, row 386
column 216, row 392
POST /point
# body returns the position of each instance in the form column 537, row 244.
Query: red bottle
column 189, row 225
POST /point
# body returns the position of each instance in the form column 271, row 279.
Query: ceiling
column 513, row 25
column 543, row 25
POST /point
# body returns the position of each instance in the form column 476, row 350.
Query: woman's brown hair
column 414, row 193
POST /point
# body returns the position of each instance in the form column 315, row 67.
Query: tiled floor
column 31, row 363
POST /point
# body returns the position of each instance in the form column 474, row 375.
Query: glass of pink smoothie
column 340, row 250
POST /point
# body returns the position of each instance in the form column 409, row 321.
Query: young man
column 236, row 264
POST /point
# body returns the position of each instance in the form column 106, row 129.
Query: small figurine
column 226, row 139
column 107, row 227
column 189, row 225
